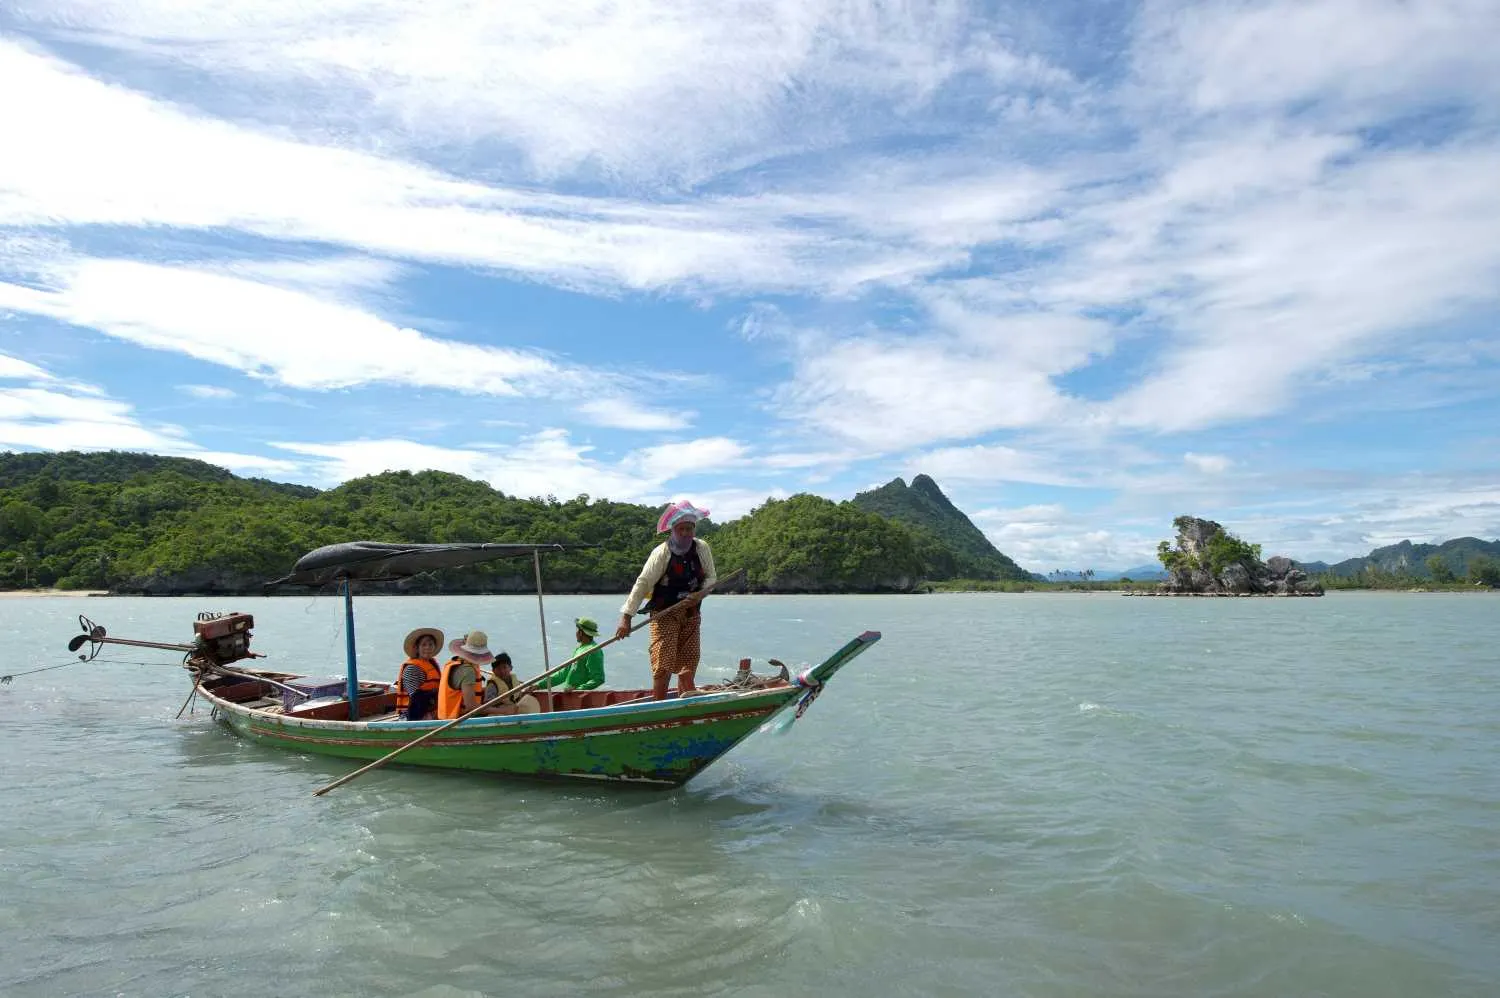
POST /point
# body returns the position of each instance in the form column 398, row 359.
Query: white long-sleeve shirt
column 656, row 570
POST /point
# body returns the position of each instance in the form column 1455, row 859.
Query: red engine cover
column 230, row 623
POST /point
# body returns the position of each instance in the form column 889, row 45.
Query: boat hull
column 664, row 746
column 657, row 743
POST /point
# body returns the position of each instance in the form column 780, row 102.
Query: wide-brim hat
column 587, row 626
column 473, row 647
column 676, row 513
column 410, row 644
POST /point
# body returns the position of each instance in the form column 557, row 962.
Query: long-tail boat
column 610, row 735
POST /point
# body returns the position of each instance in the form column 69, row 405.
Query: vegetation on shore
column 1481, row 571
column 137, row 523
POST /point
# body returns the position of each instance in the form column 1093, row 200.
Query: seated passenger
column 417, row 683
column 588, row 672
column 496, row 691
column 462, row 686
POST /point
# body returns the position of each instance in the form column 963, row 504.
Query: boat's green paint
column 656, row 742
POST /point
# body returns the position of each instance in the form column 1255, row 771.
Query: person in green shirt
column 588, row 672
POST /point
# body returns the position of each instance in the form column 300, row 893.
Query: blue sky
column 1088, row 265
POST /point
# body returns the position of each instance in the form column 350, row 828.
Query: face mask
column 679, row 547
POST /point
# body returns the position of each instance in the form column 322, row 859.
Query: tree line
column 135, row 523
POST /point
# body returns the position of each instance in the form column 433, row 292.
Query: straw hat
column 410, row 644
column 587, row 625
column 473, row 647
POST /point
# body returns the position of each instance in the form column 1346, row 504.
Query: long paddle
column 530, row 683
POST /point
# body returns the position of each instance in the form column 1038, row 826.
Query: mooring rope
column 6, row 679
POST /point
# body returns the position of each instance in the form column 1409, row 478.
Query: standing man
column 588, row 672
column 677, row 569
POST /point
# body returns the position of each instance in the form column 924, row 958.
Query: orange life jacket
column 450, row 700
column 430, row 678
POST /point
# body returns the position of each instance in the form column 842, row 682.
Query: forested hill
column 923, row 507
column 138, row 523
column 1415, row 560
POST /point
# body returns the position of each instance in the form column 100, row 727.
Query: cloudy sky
column 1088, row 265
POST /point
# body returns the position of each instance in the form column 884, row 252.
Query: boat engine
column 223, row 637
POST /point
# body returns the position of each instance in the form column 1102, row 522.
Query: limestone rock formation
column 1209, row 561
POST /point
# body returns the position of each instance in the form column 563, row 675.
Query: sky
column 1090, row 266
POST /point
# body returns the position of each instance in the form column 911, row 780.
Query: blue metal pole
column 351, row 690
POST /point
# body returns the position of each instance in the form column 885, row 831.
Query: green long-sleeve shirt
column 584, row 674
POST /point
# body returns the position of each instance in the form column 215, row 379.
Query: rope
column 5, row 680
column 191, row 693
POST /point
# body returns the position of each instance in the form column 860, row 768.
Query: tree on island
column 1439, row 570
column 1484, row 571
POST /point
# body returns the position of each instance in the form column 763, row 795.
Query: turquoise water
column 1039, row 795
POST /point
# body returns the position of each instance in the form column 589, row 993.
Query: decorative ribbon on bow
column 811, row 688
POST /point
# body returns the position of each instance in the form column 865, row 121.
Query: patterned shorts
column 674, row 642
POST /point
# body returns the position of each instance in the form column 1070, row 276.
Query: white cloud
column 991, row 463
column 1213, row 464
column 15, row 369
column 50, row 419
column 79, row 417
column 1364, row 58
column 83, row 152
column 545, row 463
column 885, row 394
column 652, row 91
column 269, row 332
column 550, row 463
column 207, row 391
column 1275, row 291
column 667, row 461
column 1046, row 537
column 625, row 414
column 338, row 277
column 730, row 504
column 247, row 464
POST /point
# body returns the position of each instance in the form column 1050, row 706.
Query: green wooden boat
column 619, row 736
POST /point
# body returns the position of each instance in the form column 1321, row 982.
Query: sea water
column 1032, row 794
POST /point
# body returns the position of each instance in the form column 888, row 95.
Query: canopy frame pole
column 536, row 563
column 351, row 669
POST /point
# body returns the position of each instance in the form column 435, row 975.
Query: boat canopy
column 374, row 561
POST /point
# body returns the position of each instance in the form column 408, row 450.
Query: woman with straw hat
column 417, row 683
column 462, row 687
column 676, row 570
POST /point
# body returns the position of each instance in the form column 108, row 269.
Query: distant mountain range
column 1407, row 558
column 1404, row 558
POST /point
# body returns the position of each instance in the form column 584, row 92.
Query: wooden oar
column 529, row 684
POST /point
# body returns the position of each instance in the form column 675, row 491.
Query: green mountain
column 950, row 546
column 1410, row 559
column 136, row 523
column 811, row 544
